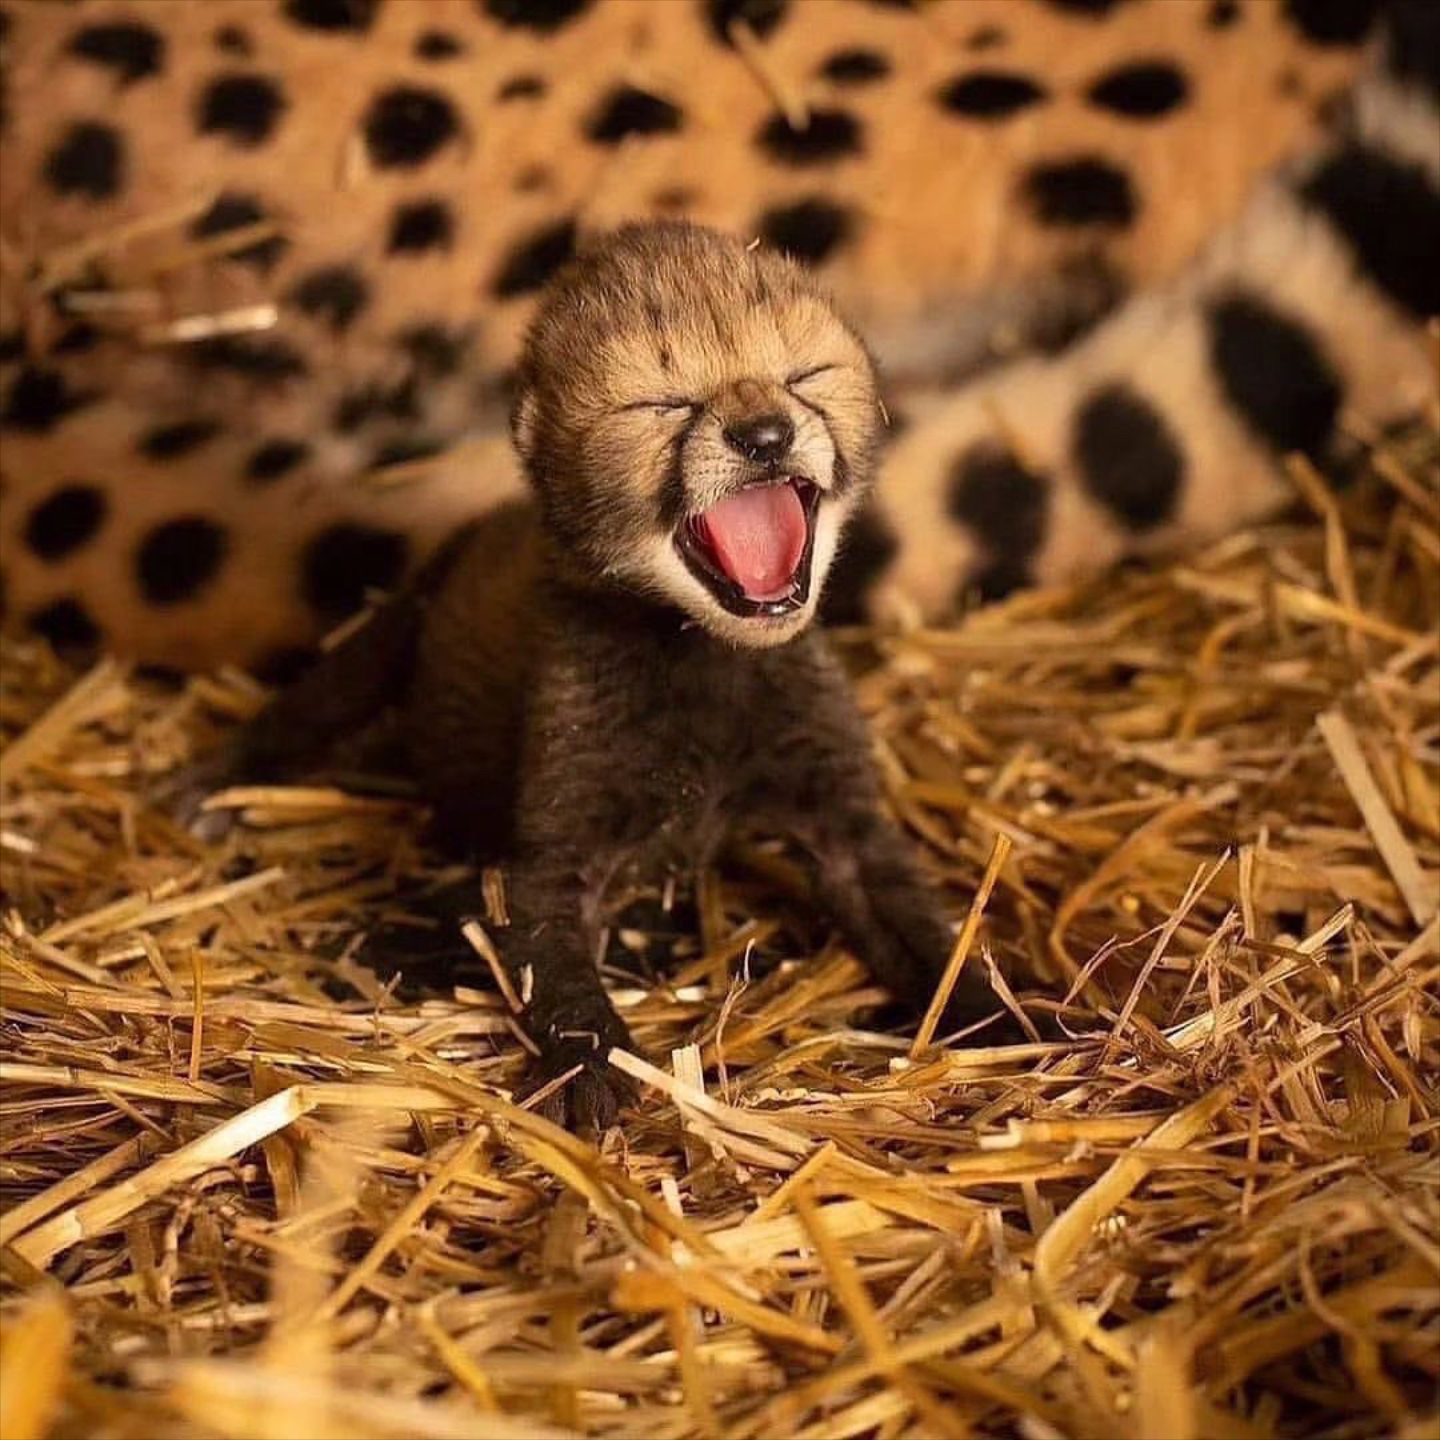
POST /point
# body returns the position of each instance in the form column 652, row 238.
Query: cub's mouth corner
column 752, row 550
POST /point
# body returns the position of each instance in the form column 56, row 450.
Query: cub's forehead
column 667, row 308
column 699, row 348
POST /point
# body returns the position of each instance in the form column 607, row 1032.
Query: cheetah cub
column 607, row 682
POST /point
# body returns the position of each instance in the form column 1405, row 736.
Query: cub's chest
column 720, row 724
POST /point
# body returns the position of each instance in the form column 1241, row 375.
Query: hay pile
column 253, row 1190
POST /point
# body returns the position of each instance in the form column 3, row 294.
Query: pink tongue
column 758, row 537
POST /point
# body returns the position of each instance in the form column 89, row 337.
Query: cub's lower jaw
column 754, row 551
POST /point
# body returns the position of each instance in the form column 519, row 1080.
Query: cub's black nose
column 761, row 438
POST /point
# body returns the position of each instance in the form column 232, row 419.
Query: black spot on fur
column 243, row 108
column 1333, row 22
column 542, row 15
column 1001, row 503
column 830, row 135
column 673, row 200
column 435, row 350
column 1085, row 190
column 76, row 339
column 1127, row 457
column 63, row 522
column 531, row 179
column 127, row 47
column 809, row 230
column 273, row 459
column 168, row 442
column 535, row 259
column 12, row 346
column 375, row 402
column 1222, row 14
column 356, row 15
column 355, row 407
column 1274, row 374
column 66, row 624
column 762, row 16
column 404, row 452
column 232, row 40
column 989, row 94
column 437, row 45
column 89, row 161
column 1412, row 42
column 858, row 65
column 263, row 360
column 866, row 550
column 521, row 87
column 996, row 580
column 419, row 225
column 987, row 37
column 406, row 125
column 1089, row 9
column 1389, row 214
column 345, row 561
column 176, row 560
column 39, row 399
column 1143, row 90
column 232, row 211
column 628, row 111
column 334, row 294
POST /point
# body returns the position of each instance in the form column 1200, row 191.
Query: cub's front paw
column 181, row 794
column 912, row 943
column 591, row 1099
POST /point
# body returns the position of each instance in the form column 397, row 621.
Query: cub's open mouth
column 752, row 549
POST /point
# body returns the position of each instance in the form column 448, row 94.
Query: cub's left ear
column 522, row 421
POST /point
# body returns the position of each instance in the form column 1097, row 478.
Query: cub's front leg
column 548, row 950
column 592, row 797
column 868, row 878
column 867, row 873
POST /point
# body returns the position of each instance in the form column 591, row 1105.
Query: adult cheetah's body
column 266, row 266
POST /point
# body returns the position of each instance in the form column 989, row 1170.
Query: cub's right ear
column 522, row 421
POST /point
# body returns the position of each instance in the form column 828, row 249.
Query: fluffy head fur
column 649, row 348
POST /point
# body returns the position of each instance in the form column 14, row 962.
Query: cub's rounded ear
column 522, row 421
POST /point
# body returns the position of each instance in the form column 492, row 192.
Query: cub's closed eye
column 801, row 376
column 667, row 405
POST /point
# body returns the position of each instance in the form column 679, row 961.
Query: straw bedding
column 254, row 1190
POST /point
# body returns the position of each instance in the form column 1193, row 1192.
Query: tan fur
column 932, row 232
column 1157, row 346
column 946, row 267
